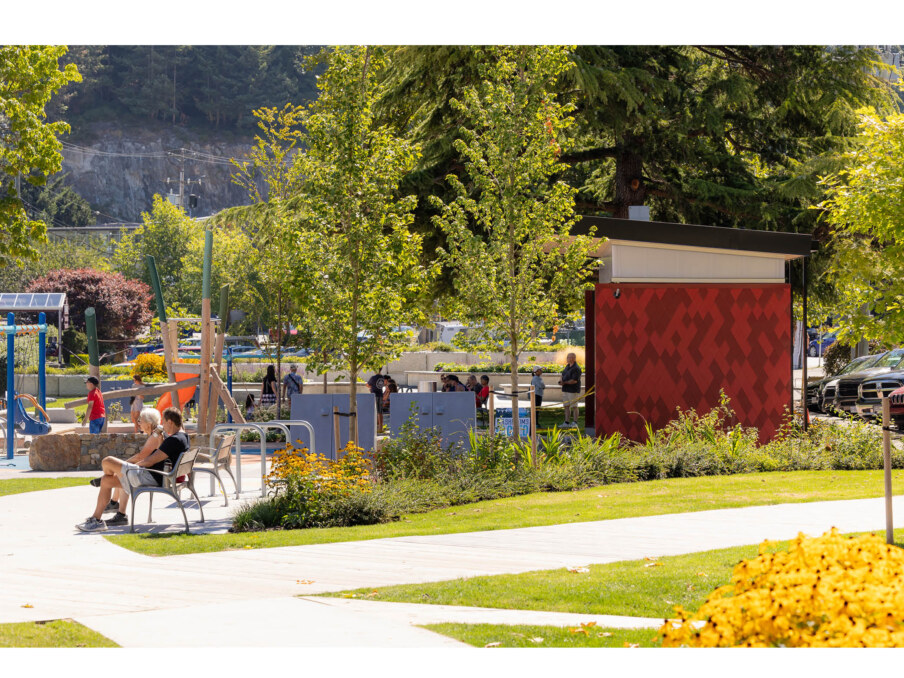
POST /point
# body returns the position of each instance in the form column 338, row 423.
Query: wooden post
column 91, row 332
column 886, row 458
column 203, row 403
column 171, row 349
column 533, row 426
column 492, row 414
column 218, row 361
column 336, row 444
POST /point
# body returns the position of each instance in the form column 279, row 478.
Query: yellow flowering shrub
column 828, row 591
column 149, row 366
column 349, row 473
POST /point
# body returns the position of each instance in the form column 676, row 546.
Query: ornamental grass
column 828, row 591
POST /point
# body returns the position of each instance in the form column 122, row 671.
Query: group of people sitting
column 165, row 442
column 481, row 390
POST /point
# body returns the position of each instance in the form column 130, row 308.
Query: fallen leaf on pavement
column 28, row 605
column 304, row 581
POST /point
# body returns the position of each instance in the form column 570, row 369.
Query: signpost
column 506, row 425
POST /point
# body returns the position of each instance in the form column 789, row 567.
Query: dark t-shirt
column 571, row 372
column 376, row 384
column 173, row 446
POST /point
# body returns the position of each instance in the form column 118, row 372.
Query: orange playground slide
column 185, row 394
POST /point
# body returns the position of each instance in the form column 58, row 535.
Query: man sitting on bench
column 125, row 475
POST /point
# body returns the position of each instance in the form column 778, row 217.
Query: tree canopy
column 29, row 147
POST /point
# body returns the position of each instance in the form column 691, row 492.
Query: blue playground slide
column 27, row 425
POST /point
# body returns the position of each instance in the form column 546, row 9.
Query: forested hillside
column 197, row 86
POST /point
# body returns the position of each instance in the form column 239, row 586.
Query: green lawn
column 59, row 633
column 17, row 485
column 633, row 588
column 675, row 495
column 488, row 635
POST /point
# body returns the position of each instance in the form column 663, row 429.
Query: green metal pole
column 91, row 331
column 158, row 291
column 224, row 307
column 208, row 254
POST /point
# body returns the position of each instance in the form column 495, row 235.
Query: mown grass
column 636, row 588
column 483, row 635
column 623, row 500
column 58, row 633
column 18, row 485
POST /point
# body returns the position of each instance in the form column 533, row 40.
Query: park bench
column 180, row 477
column 212, row 460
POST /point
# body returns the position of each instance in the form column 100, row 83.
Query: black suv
column 820, row 394
column 848, row 389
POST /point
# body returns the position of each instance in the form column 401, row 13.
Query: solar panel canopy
column 54, row 301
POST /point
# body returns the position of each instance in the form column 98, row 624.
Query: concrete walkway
column 61, row 573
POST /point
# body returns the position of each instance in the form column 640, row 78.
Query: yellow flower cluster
column 828, row 591
column 350, row 472
column 149, row 366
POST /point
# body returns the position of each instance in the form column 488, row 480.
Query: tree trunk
column 516, row 430
column 353, row 402
column 629, row 186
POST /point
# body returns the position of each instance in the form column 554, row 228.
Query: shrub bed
column 414, row 472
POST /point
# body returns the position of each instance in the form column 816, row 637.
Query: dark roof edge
column 691, row 235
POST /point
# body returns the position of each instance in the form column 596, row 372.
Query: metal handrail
column 261, row 428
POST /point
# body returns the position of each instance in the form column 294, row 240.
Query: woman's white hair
column 149, row 416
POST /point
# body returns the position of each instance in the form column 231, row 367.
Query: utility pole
column 179, row 198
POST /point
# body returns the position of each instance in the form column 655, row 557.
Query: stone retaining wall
column 84, row 451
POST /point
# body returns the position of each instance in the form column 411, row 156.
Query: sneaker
column 118, row 519
column 92, row 525
column 112, row 506
column 94, row 482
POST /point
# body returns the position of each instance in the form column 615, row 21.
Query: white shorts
column 134, row 475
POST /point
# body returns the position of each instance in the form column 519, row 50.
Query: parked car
column 819, row 345
column 848, row 390
column 896, row 407
column 869, row 402
column 817, row 390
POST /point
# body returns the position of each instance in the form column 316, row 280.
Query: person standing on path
column 376, row 384
column 537, row 383
column 269, row 387
column 96, row 414
column 292, row 384
column 571, row 389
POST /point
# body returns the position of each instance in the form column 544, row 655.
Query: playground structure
column 16, row 415
column 182, row 377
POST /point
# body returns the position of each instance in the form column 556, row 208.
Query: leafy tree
column 358, row 273
column 511, row 232
column 273, row 163
column 64, row 252
column 733, row 136
column 123, row 306
column 57, row 204
column 865, row 209
column 177, row 244
column 29, row 147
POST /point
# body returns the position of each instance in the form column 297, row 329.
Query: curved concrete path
column 249, row 597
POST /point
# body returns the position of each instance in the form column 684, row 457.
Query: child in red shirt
column 96, row 413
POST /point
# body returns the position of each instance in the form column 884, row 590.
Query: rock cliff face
column 118, row 167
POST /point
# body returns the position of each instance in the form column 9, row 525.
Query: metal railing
column 261, row 428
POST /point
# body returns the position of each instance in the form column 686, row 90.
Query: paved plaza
column 267, row 597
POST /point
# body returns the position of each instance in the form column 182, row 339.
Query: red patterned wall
column 662, row 346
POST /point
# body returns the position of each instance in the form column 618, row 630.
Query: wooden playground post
column 204, row 399
column 164, row 331
column 171, row 340
column 91, row 332
column 218, row 361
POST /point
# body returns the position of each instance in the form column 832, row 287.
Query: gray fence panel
column 452, row 413
column 317, row 408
